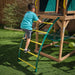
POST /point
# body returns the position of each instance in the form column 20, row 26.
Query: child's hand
column 40, row 21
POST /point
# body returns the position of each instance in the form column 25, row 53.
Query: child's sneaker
column 25, row 38
column 25, row 51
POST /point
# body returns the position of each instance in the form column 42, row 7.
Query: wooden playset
column 50, row 9
column 62, row 12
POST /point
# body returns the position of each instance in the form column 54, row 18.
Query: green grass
column 9, row 45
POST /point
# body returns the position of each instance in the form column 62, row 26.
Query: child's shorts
column 28, row 33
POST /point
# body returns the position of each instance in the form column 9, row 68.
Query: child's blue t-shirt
column 28, row 19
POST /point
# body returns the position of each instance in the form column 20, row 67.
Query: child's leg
column 28, row 35
column 25, row 36
column 27, row 44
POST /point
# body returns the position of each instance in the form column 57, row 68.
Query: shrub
column 13, row 13
column 9, row 15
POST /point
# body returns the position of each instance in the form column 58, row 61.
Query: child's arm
column 36, row 18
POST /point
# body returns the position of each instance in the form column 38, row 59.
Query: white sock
column 25, row 49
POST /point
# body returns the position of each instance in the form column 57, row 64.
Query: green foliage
column 10, row 16
column 66, row 32
column 1, row 26
column 51, row 31
column 14, row 13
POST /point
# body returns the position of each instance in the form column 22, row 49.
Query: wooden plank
column 67, row 23
column 66, row 56
column 33, row 1
column 53, row 43
column 42, row 12
column 54, row 16
column 70, row 17
column 51, row 16
column 36, row 45
column 59, row 23
column 37, row 6
column 57, row 5
column 62, row 39
column 70, row 12
column 48, row 56
column 65, row 9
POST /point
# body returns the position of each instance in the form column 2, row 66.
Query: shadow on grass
column 64, row 65
column 9, row 54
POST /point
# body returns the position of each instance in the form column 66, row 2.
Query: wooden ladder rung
column 27, row 63
column 47, row 23
column 29, row 52
column 40, row 31
column 35, row 42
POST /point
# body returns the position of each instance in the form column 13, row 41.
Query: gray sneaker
column 25, row 51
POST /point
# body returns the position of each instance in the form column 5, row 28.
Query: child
column 27, row 22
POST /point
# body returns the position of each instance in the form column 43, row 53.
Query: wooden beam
column 67, row 23
column 69, row 17
column 53, row 43
column 51, row 16
column 66, row 42
column 33, row 1
column 62, row 40
column 57, row 5
column 36, row 45
column 70, row 12
column 53, row 58
column 65, row 7
column 55, row 16
column 48, row 56
column 59, row 23
column 66, row 56
column 37, row 6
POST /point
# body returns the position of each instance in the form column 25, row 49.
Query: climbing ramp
column 41, row 45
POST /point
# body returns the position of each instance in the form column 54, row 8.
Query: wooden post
column 33, row 1
column 37, row 6
column 57, row 5
column 37, row 27
column 63, row 30
column 62, row 40
column 65, row 8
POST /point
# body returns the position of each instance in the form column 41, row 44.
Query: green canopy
column 71, row 5
column 47, row 5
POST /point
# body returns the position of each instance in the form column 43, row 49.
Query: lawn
column 9, row 45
